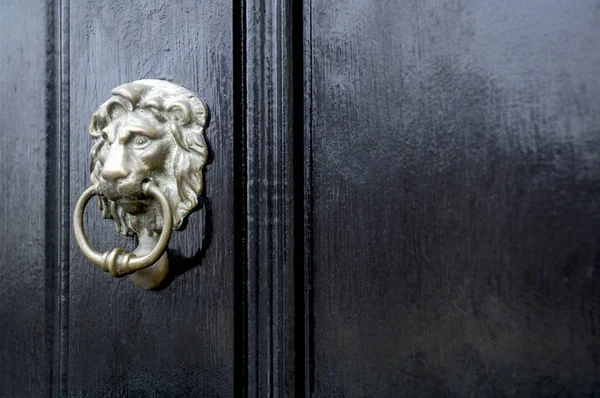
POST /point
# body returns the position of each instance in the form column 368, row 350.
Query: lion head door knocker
column 146, row 168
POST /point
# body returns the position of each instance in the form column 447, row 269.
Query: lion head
column 150, row 130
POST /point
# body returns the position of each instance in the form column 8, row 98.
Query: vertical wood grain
column 455, row 160
column 270, row 201
column 60, row 244
column 26, row 301
column 304, row 336
column 124, row 341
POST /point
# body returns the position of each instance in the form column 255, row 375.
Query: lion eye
column 140, row 140
column 105, row 136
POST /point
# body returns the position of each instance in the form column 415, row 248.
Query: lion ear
column 180, row 112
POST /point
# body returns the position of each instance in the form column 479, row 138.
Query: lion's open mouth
column 129, row 203
column 121, row 195
column 132, row 206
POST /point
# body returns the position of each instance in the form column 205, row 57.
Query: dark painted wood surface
column 455, row 156
column 25, row 343
column 451, row 206
column 87, row 334
column 179, row 341
column 269, row 153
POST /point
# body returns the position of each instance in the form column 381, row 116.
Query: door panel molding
column 58, row 179
column 267, row 164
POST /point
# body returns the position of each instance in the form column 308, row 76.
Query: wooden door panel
column 27, row 211
column 124, row 341
column 454, row 150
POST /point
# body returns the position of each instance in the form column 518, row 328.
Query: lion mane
column 186, row 115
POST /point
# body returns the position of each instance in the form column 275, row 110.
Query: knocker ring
column 120, row 262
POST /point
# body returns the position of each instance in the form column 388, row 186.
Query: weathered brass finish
column 146, row 168
column 119, row 262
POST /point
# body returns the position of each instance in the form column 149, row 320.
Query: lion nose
column 114, row 167
column 114, row 173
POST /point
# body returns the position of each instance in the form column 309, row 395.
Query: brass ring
column 120, row 262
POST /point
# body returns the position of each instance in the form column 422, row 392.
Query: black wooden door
column 453, row 176
column 403, row 199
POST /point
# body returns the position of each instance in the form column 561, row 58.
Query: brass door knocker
column 146, row 169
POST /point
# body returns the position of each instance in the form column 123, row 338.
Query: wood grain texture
column 270, row 197
column 25, row 330
column 178, row 341
column 455, row 161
